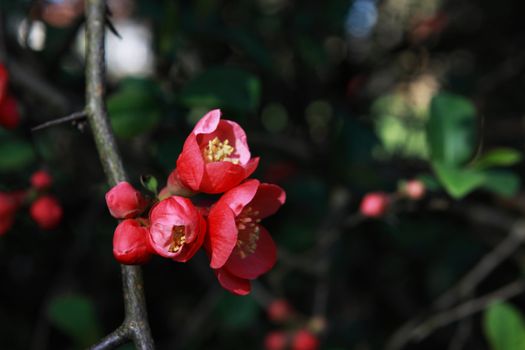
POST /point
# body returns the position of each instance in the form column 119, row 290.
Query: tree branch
column 135, row 326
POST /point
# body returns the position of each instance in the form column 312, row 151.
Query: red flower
column 374, row 204
column 275, row 340
column 124, row 201
column 47, row 212
column 9, row 115
column 177, row 229
column 280, row 311
column 8, row 206
column 304, row 340
column 130, row 243
column 41, row 180
column 240, row 248
column 215, row 157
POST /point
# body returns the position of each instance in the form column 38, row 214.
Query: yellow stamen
column 217, row 151
column 249, row 232
column 178, row 237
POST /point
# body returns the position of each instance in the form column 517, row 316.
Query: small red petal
column 240, row 196
column 268, row 199
column 222, row 234
column 257, row 263
column 221, row 176
column 190, row 164
column 232, row 283
column 208, row 123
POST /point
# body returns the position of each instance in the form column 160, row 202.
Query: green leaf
column 451, row 129
column 15, row 154
column 498, row 157
column 75, row 316
column 223, row 88
column 150, row 183
column 458, row 182
column 504, row 183
column 504, row 327
column 135, row 108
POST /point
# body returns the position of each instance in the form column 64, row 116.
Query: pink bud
column 124, row 201
column 415, row 189
column 130, row 243
column 374, row 204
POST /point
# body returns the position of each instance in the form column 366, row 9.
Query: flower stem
column 135, row 326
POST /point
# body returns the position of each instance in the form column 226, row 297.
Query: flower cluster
column 9, row 115
column 215, row 159
column 44, row 208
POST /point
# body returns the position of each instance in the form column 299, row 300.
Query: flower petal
column 208, row 123
column 232, row 283
column 257, row 263
column 222, row 234
column 221, row 176
column 240, row 196
column 268, row 199
column 190, row 164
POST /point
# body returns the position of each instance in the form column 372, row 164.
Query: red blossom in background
column 4, row 78
column 280, row 311
column 177, row 229
column 239, row 247
column 304, row 340
column 9, row 115
column 41, row 180
column 374, row 204
column 215, row 157
column 8, row 206
column 130, row 243
column 414, row 189
column 275, row 340
column 124, row 201
column 47, row 212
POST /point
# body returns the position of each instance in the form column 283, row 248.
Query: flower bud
column 130, row 243
column 124, row 201
column 41, row 180
column 304, row 340
column 414, row 189
column 47, row 212
column 374, row 204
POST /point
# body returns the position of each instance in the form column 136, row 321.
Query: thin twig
column 80, row 115
column 118, row 337
column 135, row 326
column 419, row 331
column 478, row 273
column 466, row 309
column 484, row 267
